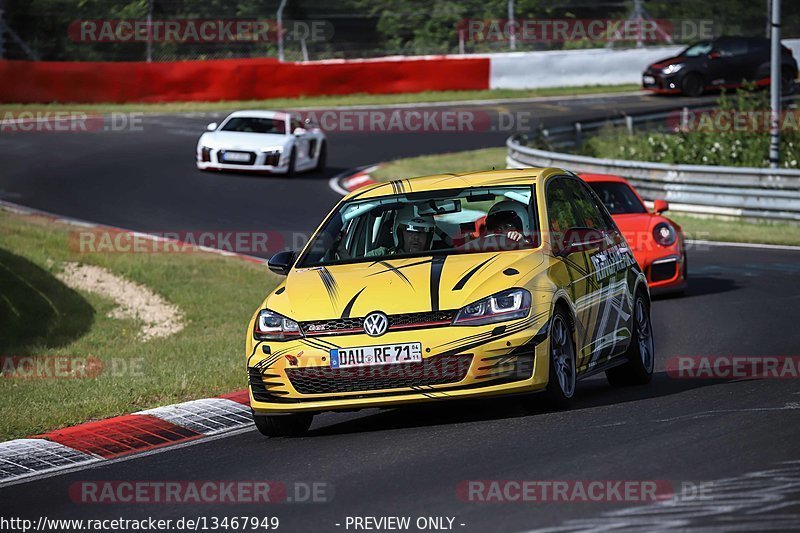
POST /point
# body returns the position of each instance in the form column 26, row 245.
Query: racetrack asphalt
column 737, row 439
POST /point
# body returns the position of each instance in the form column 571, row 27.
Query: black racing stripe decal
column 463, row 281
column 349, row 306
column 280, row 291
column 424, row 262
column 409, row 185
column 392, row 268
column 437, row 264
column 397, row 187
column 330, row 283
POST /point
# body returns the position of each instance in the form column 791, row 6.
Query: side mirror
column 212, row 126
column 298, row 131
column 714, row 55
column 580, row 240
column 282, row 262
column 659, row 206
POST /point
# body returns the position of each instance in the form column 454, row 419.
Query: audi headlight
column 506, row 305
column 672, row 69
column 665, row 234
column 271, row 326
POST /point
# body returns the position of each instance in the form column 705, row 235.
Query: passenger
column 509, row 219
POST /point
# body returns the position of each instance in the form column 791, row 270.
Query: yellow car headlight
column 271, row 326
column 507, row 305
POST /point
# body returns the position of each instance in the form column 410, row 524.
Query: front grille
column 250, row 161
column 433, row 371
column 663, row 271
column 356, row 325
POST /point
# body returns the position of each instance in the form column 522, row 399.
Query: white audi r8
column 262, row 141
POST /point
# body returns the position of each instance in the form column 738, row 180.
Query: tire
column 562, row 374
column 322, row 159
column 294, row 425
column 788, row 80
column 638, row 369
column 692, row 84
column 292, row 159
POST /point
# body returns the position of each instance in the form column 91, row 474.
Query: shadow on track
column 595, row 392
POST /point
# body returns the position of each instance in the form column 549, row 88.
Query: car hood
column 662, row 63
column 419, row 284
column 637, row 228
column 233, row 140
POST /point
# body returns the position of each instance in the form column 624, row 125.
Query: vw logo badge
column 376, row 324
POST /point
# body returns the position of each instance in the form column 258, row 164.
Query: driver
column 508, row 218
column 413, row 234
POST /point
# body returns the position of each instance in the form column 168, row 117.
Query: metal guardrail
column 771, row 194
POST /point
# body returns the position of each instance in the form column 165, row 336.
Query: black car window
column 731, row 47
column 586, row 210
column 618, row 197
column 697, row 49
column 559, row 207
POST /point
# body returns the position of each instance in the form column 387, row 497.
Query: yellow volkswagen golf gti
column 445, row 287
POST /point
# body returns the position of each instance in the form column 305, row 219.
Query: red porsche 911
column 658, row 243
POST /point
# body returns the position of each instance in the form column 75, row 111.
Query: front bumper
column 655, row 81
column 267, row 162
column 666, row 272
column 483, row 361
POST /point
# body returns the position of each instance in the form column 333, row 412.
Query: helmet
column 407, row 220
column 510, row 210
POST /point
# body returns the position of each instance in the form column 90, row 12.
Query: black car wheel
column 322, row 159
column 292, row 159
column 562, row 377
column 692, row 84
column 638, row 369
column 293, row 425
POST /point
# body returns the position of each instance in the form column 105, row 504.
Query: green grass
column 39, row 316
column 718, row 229
column 322, row 101
column 713, row 229
column 484, row 159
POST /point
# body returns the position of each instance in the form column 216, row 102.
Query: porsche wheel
column 294, row 425
column 638, row 369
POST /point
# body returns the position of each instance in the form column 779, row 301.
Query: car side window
column 587, row 214
column 560, row 214
column 732, row 47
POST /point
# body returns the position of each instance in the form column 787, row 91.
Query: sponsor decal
column 611, row 260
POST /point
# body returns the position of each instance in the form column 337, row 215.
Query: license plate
column 235, row 156
column 387, row 354
column 649, row 80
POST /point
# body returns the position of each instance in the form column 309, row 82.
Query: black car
column 722, row 62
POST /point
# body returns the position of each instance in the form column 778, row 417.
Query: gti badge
column 376, row 324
